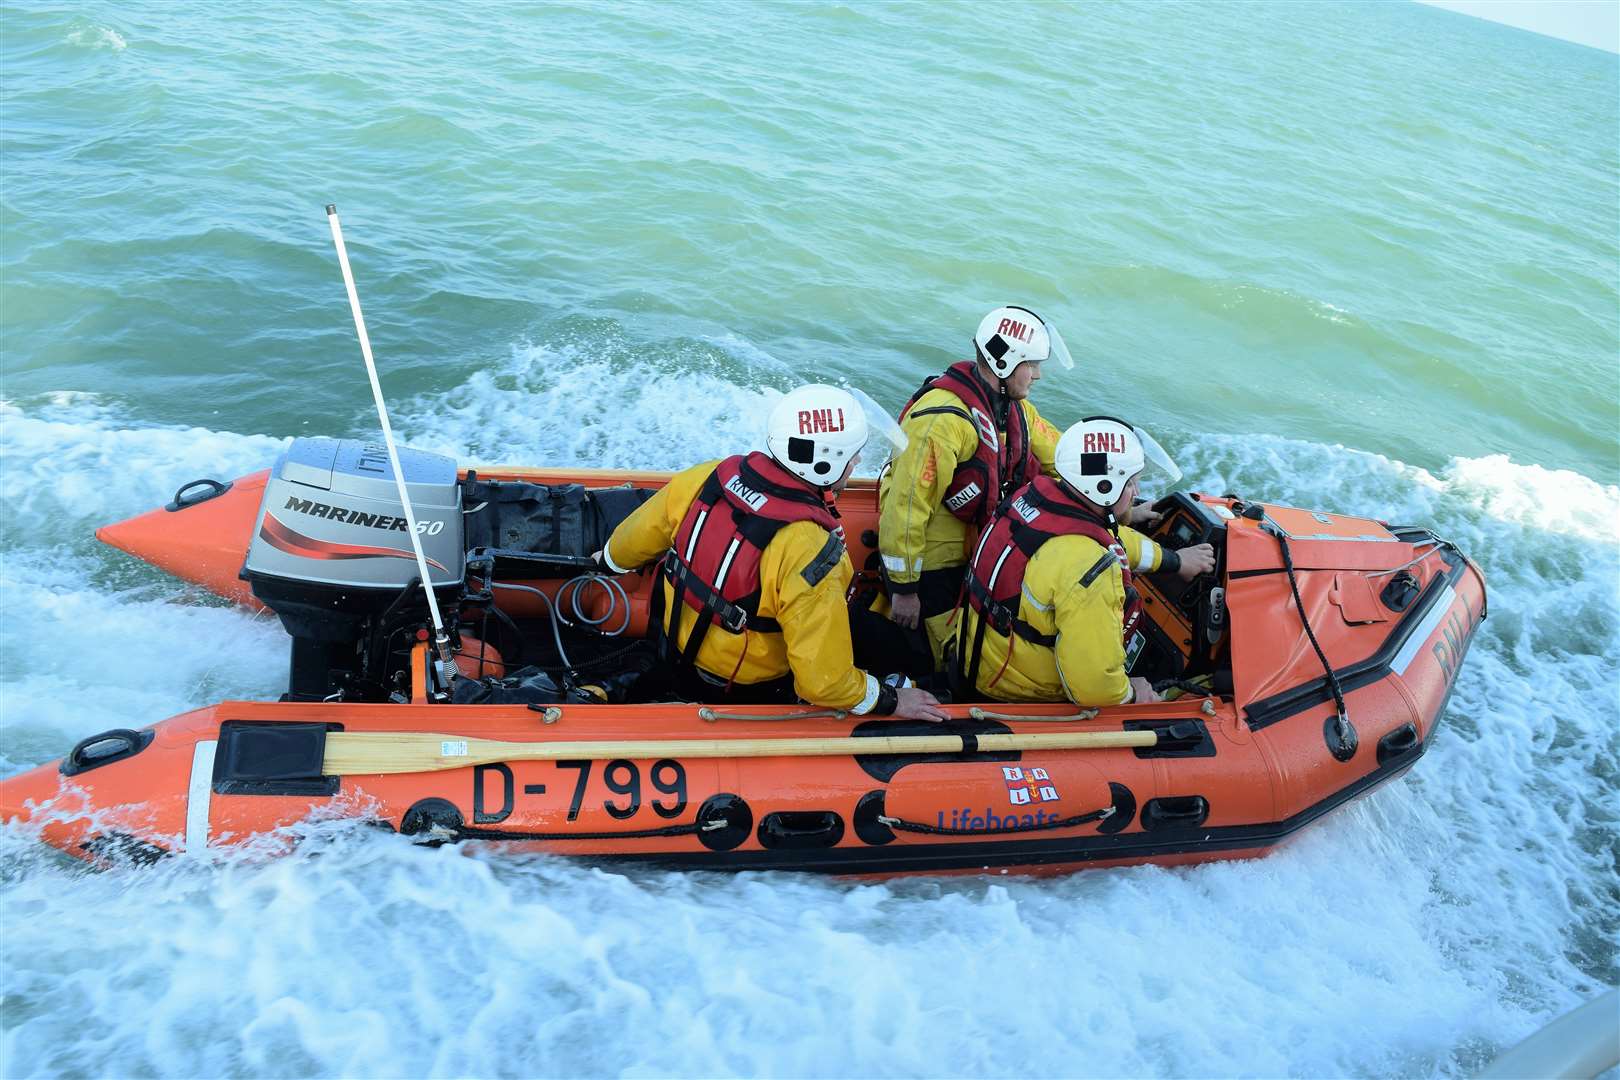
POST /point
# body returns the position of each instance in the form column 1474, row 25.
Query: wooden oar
column 369, row 752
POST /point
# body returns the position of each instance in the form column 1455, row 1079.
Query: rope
column 902, row 825
column 985, row 714
column 1436, row 544
column 462, row 832
column 1345, row 731
column 709, row 714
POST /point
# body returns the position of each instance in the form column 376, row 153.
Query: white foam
column 567, row 404
column 572, row 406
column 97, row 37
column 75, row 461
column 81, row 655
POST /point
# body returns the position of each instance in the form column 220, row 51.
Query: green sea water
column 1363, row 257
column 1375, row 225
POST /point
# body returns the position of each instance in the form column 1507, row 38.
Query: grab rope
column 462, row 832
column 1346, row 733
column 985, row 714
column 813, row 714
column 1435, row 544
column 902, row 825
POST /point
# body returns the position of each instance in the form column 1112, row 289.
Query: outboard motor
column 330, row 556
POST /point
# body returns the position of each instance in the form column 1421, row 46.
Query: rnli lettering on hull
column 1455, row 633
column 346, row 516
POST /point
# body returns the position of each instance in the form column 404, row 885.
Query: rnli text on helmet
column 813, row 421
column 1013, row 328
column 1104, row 442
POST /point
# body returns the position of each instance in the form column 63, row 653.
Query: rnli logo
column 1104, row 442
column 750, row 498
column 1452, row 645
column 1024, row 510
column 1014, row 329
column 1025, row 786
column 963, row 497
column 987, row 429
column 818, row 421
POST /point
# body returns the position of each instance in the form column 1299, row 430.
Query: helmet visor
column 878, row 420
column 1059, row 350
column 1160, row 468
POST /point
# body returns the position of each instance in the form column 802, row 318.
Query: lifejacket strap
column 732, row 617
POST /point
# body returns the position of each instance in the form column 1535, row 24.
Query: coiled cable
column 617, row 600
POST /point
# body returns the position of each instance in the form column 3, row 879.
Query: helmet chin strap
column 1003, row 399
column 1106, row 513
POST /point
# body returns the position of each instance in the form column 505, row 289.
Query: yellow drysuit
column 1087, row 664
column 814, row 644
column 915, row 530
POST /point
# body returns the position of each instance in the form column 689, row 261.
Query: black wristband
column 888, row 700
column 1169, row 561
column 901, row 588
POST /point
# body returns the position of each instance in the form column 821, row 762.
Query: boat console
column 1186, row 624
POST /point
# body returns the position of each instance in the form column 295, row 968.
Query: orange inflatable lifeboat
column 1272, row 729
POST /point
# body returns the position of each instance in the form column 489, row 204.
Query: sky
column 1586, row 22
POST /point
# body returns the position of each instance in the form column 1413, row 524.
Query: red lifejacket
column 713, row 566
column 1037, row 513
column 999, row 465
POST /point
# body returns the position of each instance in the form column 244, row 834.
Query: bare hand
column 1195, row 560
column 1145, row 694
column 1143, row 517
column 914, row 704
column 906, row 609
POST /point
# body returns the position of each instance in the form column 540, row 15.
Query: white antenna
column 446, row 664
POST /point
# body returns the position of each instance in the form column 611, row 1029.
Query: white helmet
column 814, row 431
column 1013, row 335
column 1098, row 456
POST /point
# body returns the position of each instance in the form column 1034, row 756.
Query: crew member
column 753, row 567
column 1050, row 611
column 972, row 438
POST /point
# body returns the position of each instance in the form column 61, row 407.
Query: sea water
column 1357, row 257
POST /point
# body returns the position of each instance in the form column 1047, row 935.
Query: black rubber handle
column 1403, row 740
column 801, row 829
column 1175, row 812
column 214, row 489
column 111, row 746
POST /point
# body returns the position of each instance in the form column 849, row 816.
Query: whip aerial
column 441, row 637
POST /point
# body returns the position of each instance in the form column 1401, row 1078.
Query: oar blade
column 380, row 752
